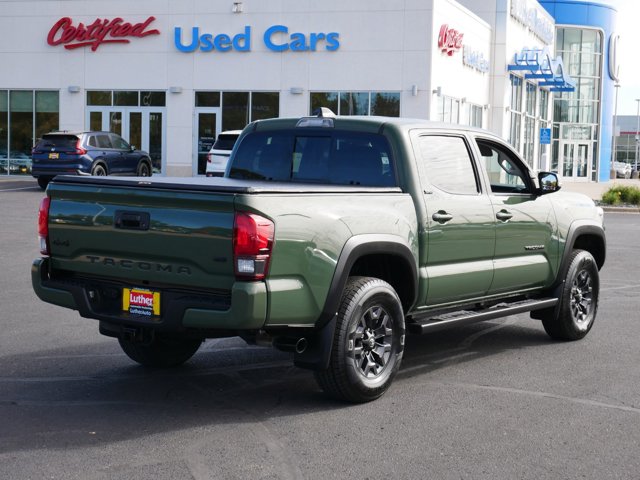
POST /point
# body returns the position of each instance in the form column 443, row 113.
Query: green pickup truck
column 329, row 237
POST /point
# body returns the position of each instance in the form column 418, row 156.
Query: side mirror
column 133, row 148
column 548, row 183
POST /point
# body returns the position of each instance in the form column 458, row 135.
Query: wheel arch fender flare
column 582, row 229
column 99, row 161
column 357, row 247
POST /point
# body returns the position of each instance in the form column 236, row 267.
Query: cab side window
column 448, row 164
column 506, row 175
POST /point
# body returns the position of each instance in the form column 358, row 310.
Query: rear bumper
column 244, row 309
column 51, row 170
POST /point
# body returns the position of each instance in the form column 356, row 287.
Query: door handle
column 441, row 216
column 504, row 215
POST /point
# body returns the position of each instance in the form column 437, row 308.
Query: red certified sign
column 449, row 40
column 102, row 30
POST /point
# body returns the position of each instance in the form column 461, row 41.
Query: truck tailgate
column 147, row 236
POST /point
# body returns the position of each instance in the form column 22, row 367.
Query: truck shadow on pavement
column 60, row 398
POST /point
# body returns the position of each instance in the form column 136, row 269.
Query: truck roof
column 366, row 123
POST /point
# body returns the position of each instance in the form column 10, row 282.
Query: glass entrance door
column 142, row 127
column 576, row 160
column 207, row 127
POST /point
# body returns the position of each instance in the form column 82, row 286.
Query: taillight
column 43, row 225
column 209, row 159
column 79, row 149
column 252, row 244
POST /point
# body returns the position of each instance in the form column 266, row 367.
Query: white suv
column 218, row 156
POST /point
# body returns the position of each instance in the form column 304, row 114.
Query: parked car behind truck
column 86, row 153
column 218, row 156
column 332, row 238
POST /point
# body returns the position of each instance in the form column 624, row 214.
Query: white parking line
column 16, row 189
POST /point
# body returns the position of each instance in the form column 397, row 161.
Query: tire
column 99, row 170
column 573, row 318
column 144, row 170
column 368, row 342
column 43, row 182
column 161, row 352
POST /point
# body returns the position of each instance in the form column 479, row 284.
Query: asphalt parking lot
column 492, row 400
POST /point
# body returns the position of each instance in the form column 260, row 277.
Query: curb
column 611, row 209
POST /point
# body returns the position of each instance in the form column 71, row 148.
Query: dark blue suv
column 86, row 153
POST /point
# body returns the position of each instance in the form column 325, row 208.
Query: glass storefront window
column 235, row 110
column 514, row 132
column 4, row 128
column 99, row 98
column 357, row 103
column 155, row 140
column 386, row 104
column 531, row 99
column 354, row 103
column 95, row 121
column 125, row 99
column 25, row 115
column 475, row 116
column 207, row 99
column 544, row 105
column 21, row 136
column 516, row 93
column 529, row 138
column 448, row 109
column 324, row 99
column 115, row 122
column 577, row 113
column 47, row 112
column 265, row 105
column 153, row 99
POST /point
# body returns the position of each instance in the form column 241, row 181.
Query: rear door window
column 104, row 141
column 338, row 157
column 448, row 164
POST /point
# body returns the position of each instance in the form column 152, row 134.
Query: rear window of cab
column 338, row 158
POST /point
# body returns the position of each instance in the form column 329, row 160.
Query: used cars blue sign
column 276, row 38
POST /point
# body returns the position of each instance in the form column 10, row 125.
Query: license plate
column 54, row 155
column 140, row 301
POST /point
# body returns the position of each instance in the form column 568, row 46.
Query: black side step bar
column 465, row 317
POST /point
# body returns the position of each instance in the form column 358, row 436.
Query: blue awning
column 540, row 66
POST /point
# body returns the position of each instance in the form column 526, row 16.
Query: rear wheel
column 43, row 182
column 161, row 351
column 99, row 170
column 368, row 342
column 575, row 315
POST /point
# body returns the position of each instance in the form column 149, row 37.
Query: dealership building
column 170, row 76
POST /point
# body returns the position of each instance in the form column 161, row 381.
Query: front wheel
column 368, row 342
column 144, row 170
column 161, row 352
column 574, row 316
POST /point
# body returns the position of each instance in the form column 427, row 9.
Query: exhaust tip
column 301, row 345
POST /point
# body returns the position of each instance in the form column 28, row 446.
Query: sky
column 629, row 30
